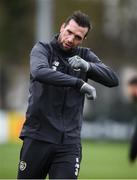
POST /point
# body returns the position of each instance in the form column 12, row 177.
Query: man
column 58, row 74
column 132, row 92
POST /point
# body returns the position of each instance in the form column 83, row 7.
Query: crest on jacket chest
column 55, row 65
column 59, row 64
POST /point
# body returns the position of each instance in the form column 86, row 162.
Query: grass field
column 100, row 161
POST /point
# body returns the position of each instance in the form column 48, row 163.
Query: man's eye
column 69, row 32
column 78, row 38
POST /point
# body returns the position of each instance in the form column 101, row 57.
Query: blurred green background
column 102, row 160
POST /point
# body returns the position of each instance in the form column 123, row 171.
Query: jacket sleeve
column 99, row 72
column 40, row 70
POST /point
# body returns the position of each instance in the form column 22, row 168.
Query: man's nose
column 71, row 39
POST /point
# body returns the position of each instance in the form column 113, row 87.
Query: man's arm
column 95, row 69
column 40, row 70
column 101, row 73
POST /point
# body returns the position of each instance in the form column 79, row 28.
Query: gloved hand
column 89, row 91
column 77, row 62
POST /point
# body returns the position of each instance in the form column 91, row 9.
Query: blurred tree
column 16, row 29
column 119, row 28
column 17, row 19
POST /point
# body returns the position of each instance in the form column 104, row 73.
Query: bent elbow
column 114, row 83
column 36, row 75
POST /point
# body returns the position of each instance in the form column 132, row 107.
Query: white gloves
column 89, row 91
column 77, row 63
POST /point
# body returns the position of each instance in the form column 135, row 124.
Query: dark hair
column 81, row 19
column 133, row 81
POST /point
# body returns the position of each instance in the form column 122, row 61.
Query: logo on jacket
column 55, row 64
column 22, row 165
column 77, row 166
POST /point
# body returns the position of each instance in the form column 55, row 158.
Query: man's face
column 132, row 92
column 71, row 35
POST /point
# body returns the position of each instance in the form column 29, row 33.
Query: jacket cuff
column 79, row 83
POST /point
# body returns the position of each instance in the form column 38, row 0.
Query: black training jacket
column 55, row 106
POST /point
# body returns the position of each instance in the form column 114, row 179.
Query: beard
column 62, row 46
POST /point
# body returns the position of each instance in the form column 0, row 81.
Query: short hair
column 133, row 81
column 81, row 19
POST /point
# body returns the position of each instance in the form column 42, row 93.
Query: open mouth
column 67, row 45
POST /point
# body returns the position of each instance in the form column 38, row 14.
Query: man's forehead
column 73, row 25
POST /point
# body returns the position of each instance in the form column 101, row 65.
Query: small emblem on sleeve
column 22, row 165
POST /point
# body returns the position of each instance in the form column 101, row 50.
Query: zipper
column 64, row 98
column 63, row 109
